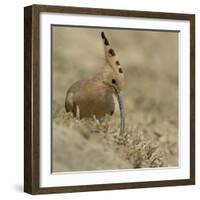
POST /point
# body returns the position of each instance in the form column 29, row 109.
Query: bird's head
column 113, row 77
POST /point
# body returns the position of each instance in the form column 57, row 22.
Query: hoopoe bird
column 95, row 96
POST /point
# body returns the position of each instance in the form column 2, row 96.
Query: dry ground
column 150, row 63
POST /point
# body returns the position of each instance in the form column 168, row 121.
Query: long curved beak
column 122, row 111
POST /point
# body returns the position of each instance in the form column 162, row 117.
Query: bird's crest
column 110, row 55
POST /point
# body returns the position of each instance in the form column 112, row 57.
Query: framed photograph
column 109, row 99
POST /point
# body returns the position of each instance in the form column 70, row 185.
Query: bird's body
column 88, row 98
column 94, row 97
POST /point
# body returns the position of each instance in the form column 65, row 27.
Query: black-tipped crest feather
column 105, row 39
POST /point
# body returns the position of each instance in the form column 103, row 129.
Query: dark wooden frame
column 32, row 105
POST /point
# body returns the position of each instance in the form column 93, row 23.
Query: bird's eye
column 113, row 81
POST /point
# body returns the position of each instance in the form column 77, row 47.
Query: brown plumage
column 94, row 97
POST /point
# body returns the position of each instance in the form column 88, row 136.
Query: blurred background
column 150, row 62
